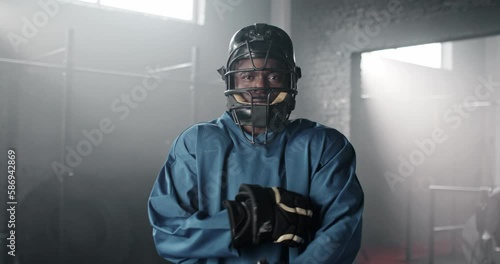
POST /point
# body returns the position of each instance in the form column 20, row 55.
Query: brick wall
column 328, row 37
column 326, row 33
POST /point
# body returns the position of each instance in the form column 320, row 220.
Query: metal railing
column 434, row 229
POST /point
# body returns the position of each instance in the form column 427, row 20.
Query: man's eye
column 274, row 77
column 247, row 77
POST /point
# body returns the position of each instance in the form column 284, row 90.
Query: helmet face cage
column 265, row 42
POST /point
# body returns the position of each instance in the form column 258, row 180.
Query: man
column 252, row 186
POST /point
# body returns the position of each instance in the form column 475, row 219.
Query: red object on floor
column 397, row 254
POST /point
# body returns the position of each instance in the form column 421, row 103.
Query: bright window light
column 429, row 55
column 179, row 9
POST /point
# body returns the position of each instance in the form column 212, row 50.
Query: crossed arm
column 183, row 234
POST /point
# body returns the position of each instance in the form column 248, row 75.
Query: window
column 395, row 73
column 183, row 10
column 429, row 55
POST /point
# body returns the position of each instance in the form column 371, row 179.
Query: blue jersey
column 208, row 162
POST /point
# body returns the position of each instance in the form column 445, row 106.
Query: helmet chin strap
column 260, row 117
column 251, row 138
column 250, row 116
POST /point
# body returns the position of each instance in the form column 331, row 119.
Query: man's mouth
column 259, row 100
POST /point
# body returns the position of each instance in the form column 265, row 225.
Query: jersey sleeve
column 337, row 193
column 181, row 232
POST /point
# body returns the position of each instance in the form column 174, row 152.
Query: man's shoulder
column 211, row 124
column 204, row 129
column 303, row 127
column 307, row 134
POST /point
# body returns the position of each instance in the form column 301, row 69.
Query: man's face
column 259, row 79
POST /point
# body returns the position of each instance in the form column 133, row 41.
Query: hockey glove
column 261, row 214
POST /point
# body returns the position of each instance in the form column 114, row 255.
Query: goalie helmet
column 274, row 48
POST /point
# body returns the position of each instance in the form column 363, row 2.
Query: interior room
column 95, row 93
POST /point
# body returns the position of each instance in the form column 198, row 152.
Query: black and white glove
column 269, row 214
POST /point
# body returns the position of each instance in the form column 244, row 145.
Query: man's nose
column 259, row 92
column 261, row 82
